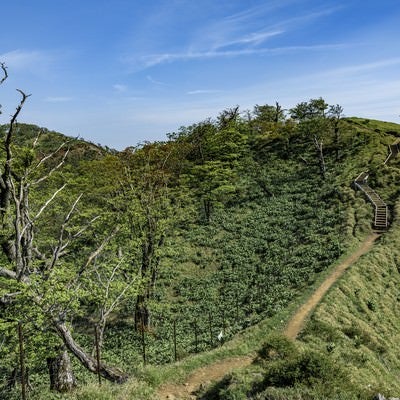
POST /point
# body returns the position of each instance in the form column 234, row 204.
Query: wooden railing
column 393, row 151
column 381, row 209
column 381, row 217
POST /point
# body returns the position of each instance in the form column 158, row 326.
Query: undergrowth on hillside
column 224, row 227
column 366, row 324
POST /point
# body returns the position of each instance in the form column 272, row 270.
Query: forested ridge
column 112, row 260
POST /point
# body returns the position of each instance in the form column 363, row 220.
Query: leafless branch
column 6, row 273
column 44, row 159
column 120, row 295
column 17, row 111
column 79, row 233
column 35, row 142
column 71, row 211
column 39, row 255
column 44, row 177
column 61, row 245
column 7, row 172
column 4, row 69
column 75, row 236
column 95, row 253
column 8, row 137
column 8, row 298
column 49, row 201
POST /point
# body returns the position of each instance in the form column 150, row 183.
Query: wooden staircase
column 381, row 209
column 393, row 151
column 381, row 218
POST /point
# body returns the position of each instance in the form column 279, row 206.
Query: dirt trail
column 202, row 376
column 216, row 371
column 297, row 321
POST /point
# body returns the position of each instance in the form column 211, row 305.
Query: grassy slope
column 366, row 143
column 360, row 318
column 357, row 324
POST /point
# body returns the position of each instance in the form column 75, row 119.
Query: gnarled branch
column 5, row 74
column 110, row 373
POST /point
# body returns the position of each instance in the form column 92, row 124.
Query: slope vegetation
column 359, row 321
column 185, row 252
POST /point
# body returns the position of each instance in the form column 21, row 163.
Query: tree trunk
column 62, row 378
column 142, row 314
column 207, row 209
column 318, row 148
column 110, row 373
column 14, row 378
column 336, row 132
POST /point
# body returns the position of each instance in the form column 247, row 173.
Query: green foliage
column 362, row 313
column 217, row 229
column 276, row 347
column 286, row 372
column 309, row 369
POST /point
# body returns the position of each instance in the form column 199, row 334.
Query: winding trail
column 296, row 323
column 216, row 371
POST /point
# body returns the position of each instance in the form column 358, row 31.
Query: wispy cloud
column 156, row 59
column 256, row 25
column 27, row 59
column 242, row 34
column 296, row 22
column 58, row 99
column 120, row 88
column 254, row 39
column 19, row 58
column 356, row 69
column 254, row 12
column 156, row 82
column 204, row 91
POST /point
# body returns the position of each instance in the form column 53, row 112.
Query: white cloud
column 120, row 88
column 58, row 99
column 21, row 59
column 255, row 12
column 204, row 91
column 356, row 69
column 156, row 82
column 254, row 26
column 254, row 39
column 155, row 59
column 241, row 34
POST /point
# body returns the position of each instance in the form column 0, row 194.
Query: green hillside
column 222, row 230
column 347, row 350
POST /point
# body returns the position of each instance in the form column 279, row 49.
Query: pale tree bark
column 62, row 378
column 108, row 306
column 17, row 239
column 110, row 373
column 320, row 154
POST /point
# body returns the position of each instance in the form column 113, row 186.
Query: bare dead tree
column 17, row 239
column 109, row 302
column 5, row 74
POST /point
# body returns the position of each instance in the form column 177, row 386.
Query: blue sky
column 120, row 72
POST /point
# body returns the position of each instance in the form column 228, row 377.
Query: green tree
column 152, row 204
column 335, row 114
column 309, row 110
column 313, row 124
column 41, row 276
column 213, row 152
column 268, row 113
